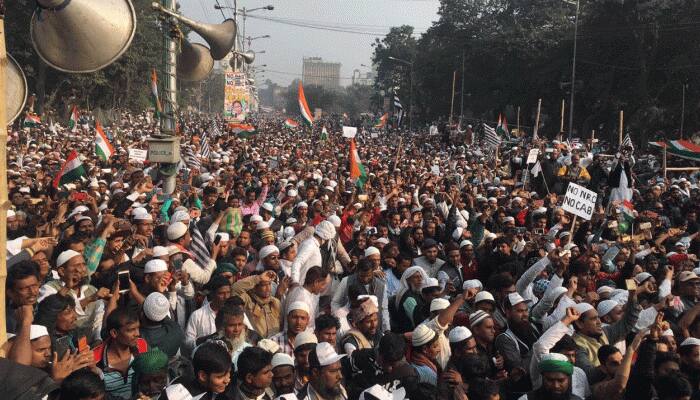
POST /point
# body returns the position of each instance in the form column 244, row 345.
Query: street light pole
column 573, row 73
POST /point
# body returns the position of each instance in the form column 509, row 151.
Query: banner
column 236, row 96
column 349, row 131
column 138, row 155
column 580, row 201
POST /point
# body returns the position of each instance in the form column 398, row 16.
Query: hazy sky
column 288, row 44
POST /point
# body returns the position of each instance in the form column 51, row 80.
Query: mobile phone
column 83, row 344
column 539, row 231
column 123, row 281
column 63, row 345
column 645, row 225
column 630, row 284
column 217, row 239
column 78, row 196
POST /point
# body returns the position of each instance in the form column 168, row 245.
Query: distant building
column 363, row 79
column 317, row 72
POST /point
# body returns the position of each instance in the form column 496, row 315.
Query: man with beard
column 326, row 377
column 429, row 261
column 298, row 315
column 515, row 344
column 484, row 329
column 365, row 321
column 689, row 350
column 556, row 373
column 261, row 306
column 72, row 270
column 283, row 374
column 203, row 320
column 591, row 335
column 231, row 328
column 303, row 344
column 426, row 349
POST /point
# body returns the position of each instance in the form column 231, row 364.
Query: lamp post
column 244, row 11
column 410, row 106
column 573, row 68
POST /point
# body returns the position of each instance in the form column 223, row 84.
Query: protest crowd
column 285, row 265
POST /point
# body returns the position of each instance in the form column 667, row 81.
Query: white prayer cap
column 299, row 305
column 268, row 250
column 155, row 265
column 605, row 306
column 439, row 304
column 370, row 251
column 459, row 333
column 65, row 256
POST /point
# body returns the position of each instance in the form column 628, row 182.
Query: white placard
column 580, row 201
column 532, row 157
column 435, row 170
column 349, row 131
column 138, row 155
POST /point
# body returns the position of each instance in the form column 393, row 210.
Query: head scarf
column 405, row 287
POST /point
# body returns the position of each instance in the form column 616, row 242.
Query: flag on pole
column 103, row 148
column 191, row 159
column 491, row 138
column 304, row 107
column 31, row 120
column 381, row 122
column 205, row 151
column 536, row 169
column 357, row 170
column 52, row 126
column 154, row 94
column 72, row 170
column 243, row 130
column 502, row 127
column 627, row 142
column 680, row 148
column 324, row 133
column 73, row 122
column 627, row 210
column 399, row 109
column 291, row 124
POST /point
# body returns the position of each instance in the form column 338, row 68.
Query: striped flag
column 304, row 107
column 205, row 151
column 31, row 120
column 502, row 127
column 73, row 122
column 627, row 142
column 72, row 170
column 103, row 148
column 154, row 94
column 491, row 137
column 198, row 247
column 291, row 124
column 399, row 109
column 191, row 159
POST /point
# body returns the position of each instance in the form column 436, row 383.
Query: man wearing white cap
column 590, row 334
column 179, row 236
column 296, row 322
column 424, row 354
column 326, row 376
column 515, row 344
column 364, row 281
column 283, row 374
column 72, row 270
column 309, row 253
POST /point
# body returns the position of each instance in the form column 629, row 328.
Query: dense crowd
column 449, row 271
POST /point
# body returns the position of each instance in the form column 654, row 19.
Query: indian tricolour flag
column 103, row 148
column 73, row 122
column 154, row 94
column 71, row 171
column 243, row 130
column 304, row 107
column 381, row 122
column 291, row 124
column 502, row 127
column 627, row 211
column 324, row 133
column 357, row 170
column 31, row 120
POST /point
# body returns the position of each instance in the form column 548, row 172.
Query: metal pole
column 4, row 203
column 573, row 74
column 683, row 110
column 169, row 119
column 243, row 41
column 461, row 92
column 410, row 117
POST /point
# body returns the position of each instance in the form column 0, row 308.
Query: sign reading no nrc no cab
column 580, row 201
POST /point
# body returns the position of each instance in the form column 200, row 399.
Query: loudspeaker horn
column 82, row 36
column 15, row 90
column 220, row 37
column 248, row 57
column 194, row 62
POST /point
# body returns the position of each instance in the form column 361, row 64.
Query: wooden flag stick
column 398, row 153
column 573, row 225
column 592, row 137
column 622, row 121
column 537, row 118
column 561, row 124
column 452, row 101
column 518, row 122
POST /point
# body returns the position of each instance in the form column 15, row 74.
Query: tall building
column 317, row 72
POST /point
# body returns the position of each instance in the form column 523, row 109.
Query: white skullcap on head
column 141, row 214
column 335, row 220
column 10, row 213
column 439, row 304
column 298, row 305
column 256, row 218
column 37, row 331
column 583, row 307
column 176, row 230
column 691, row 341
column 160, row 251
column 262, row 225
column 155, row 265
column 156, row 307
column 459, row 333
column 371, row 250
column 180, row 216
column 422, row 335
column 268, row 250
column 465, row 243
column 457, row 233
column 65, row 256
column 280, row 359
column 472, row 283
column 224, row 236
column 605, row 306
column 325, row 230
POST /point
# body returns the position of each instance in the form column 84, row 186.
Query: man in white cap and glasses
column 326, row 376
column 515, row 344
